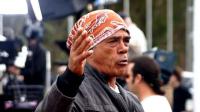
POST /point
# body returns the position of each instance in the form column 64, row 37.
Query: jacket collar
column 89, row 70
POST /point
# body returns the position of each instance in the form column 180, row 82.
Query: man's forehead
column 118, row 36
column 120, row 33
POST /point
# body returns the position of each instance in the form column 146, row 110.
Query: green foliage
column 56, row 30
column 138, row 15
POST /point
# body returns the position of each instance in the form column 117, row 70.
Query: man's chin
column 122, row 73
column 118, row 71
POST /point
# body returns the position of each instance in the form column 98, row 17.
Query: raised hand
column 79, row 51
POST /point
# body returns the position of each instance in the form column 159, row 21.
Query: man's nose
column 123, row 47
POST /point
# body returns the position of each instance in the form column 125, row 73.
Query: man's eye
column 113, row 40
column 126, row 40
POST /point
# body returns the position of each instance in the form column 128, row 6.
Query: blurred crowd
column 23, row 69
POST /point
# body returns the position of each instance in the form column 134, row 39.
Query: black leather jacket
column 89, row 93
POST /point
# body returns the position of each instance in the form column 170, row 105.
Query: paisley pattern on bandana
column 99, row 25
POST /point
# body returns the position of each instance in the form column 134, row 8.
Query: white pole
column 48, row 71
column 189, row 36
column 70, row 22
column 1, row 24
column 1, row 72
column 127, row 6
column 149, row 23
column 36, row 9
column 196, row 27
column 170, row 25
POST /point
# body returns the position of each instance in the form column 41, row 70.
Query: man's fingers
column 80, row 30
column 80, row 40
column 85, row 45
column 79, row 51
column 84, row 55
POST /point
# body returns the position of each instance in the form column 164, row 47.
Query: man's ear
column 138, row 78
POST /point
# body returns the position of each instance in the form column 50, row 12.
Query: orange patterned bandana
column 99, row 25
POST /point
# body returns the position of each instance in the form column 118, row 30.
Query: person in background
column 98, row 45
column 10, row 47
column 176, row 94
column 17, row 89
column 34, row 71
column 145, row 82
column 9, row 33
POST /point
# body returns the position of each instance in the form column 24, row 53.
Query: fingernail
column 80, row 29
column 90, row 37
column 84, row 32
column 91, row 51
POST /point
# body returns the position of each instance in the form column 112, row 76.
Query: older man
column 98, row 46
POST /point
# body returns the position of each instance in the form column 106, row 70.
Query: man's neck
column 113, row 86
column 112, row 82
column 145, row 91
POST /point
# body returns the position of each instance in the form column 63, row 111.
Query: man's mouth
column 123, row 62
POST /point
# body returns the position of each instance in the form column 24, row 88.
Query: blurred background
column 33, row 35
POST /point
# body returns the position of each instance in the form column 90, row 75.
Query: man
column 145, row 82
column 35, row 66
column 98, row 46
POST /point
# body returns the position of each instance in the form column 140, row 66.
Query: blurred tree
column 137, row 13
column 57, row 30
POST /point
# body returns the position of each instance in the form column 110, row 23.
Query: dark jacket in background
column 35, row 66
column 89, row 93
column 181, row 95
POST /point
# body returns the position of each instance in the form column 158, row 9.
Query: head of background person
column 176, row 77
column 126, row 18
column 34, row 38
column 133, row 52
column 110, row 41
column 145, row 73
column 9, row 33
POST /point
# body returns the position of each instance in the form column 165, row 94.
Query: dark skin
column 79, row 52
column 109, row 56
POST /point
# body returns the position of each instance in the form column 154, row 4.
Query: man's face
column 130, row 79
column 110, row 56
column 173, row 81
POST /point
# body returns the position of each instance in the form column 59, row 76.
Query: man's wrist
column 68, row 83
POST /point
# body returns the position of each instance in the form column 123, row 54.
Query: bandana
column 99, row 25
